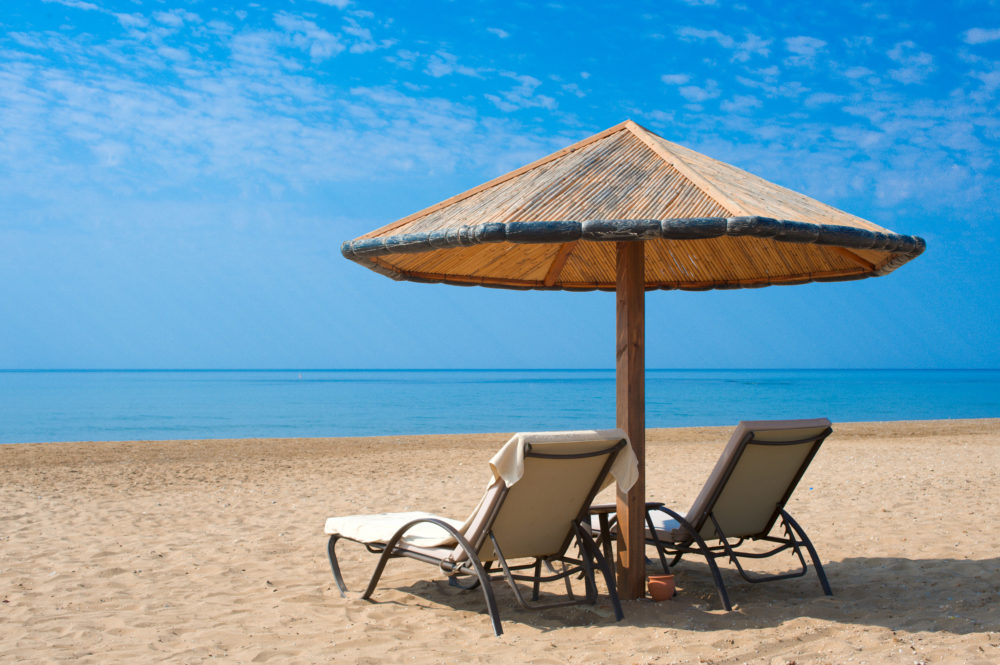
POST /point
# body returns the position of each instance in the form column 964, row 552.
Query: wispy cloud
column 697, row 94
column 176, row 18
column 742, row 49
column 740, row 104
column 502, row 34
column 443, row 63
column 675, row 79
column 306, row 35
column 803, row 50
column 915, row 64
column 522, row 95
column 821, row 98
column 857, row 72
column 981, row 35
column 75, row 4
column 693, row 34
column 237, row 111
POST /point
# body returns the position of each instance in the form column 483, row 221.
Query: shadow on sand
column 950, row 595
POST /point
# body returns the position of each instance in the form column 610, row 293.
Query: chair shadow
column 957, row 596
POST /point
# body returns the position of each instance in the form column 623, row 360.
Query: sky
column 176, row 177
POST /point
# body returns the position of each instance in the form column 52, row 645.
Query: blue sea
column 156, row 405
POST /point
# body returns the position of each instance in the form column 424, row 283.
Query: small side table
column 605, row 513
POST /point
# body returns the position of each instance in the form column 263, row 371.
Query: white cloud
column 857, row 72
column 502, row 34
column 175, row 54
column 752, row 45
column 692, row 34
column 246, row 124
column 522, row 95
column 821, row 98
column 804, row 45
column 742, row 50
column 176, row 17
column 132, row 20
column 339, row 4
column 916, row 64
column 75, row 4
column 990, row 80
column 803, row 49
column 740, row 104
column 981, row 35
column 700, row 3
column 675, row 79
column 697, row 94
column 308, row 36
column 364, row 42
column 443, row 63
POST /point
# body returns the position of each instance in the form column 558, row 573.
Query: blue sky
column 176, row 177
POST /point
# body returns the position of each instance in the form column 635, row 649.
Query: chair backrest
column 534, row 517
column 755, row 476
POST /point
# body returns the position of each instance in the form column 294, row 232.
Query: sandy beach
column 199, row 551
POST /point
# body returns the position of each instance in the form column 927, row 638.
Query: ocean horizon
column 163, row 404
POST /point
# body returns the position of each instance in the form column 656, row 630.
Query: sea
column 107, row 405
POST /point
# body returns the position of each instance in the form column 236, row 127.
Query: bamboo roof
column 553, row 225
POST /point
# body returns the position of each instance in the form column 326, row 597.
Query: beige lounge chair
column 534, row 508
column 744, row 496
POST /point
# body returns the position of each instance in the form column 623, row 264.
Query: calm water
column 151, row 405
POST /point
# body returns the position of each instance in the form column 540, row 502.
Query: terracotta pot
column 661, row 587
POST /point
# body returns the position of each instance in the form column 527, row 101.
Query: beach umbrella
column 627, row 211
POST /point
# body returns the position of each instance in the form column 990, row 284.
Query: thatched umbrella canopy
column 626, row 210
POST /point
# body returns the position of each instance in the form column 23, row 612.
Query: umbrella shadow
column 950, row 595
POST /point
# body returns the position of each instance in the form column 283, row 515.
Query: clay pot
column 661, row 587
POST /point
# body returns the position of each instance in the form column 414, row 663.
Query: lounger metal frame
column 589, row 554
column 795, row 537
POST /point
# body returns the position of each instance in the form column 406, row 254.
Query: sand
column 213, row 551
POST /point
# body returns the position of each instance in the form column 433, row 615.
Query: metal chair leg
column 812, row 551
column 537, row 582
column 470, row 553
column 337, row 577
column 712, row 566
column 609, row 578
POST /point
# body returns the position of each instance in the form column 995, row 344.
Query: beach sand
column 200, row 551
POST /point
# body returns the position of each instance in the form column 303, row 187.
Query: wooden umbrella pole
column 631, row 414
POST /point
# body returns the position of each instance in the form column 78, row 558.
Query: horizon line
column 498, row 369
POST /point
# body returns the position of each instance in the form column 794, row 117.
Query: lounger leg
column 589, row 581
column 337, row 577
column 716, row 574
column 712, row 566
column 537, row 583
column 812, row 551
column 491, row 603
column 609, row 578
column 470, row 553
column 379, row 567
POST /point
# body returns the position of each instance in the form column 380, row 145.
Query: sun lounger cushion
column 666, row 529
column 381, row 527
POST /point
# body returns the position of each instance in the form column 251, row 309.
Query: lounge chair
column 534, row 507
column 741, row 501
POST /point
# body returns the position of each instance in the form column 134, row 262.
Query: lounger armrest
column 452, row 531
